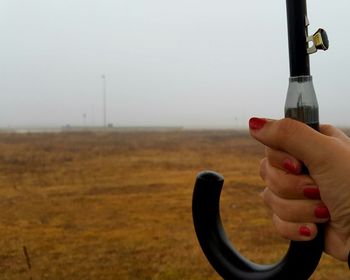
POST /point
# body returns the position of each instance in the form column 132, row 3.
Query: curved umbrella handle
column 299, row 262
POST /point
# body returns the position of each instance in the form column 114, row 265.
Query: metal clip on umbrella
column 301, row 258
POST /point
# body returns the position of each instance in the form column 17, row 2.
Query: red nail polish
column 305, row 231
column 312, row 193
column 321, row 212
column 256, row 123
column 291, row 167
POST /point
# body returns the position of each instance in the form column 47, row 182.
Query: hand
column 300, row 201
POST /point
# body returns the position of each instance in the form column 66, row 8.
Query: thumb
column 293, row 137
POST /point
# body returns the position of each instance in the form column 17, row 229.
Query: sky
column 190, row 63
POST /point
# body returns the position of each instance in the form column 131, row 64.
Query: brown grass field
column 117, row 205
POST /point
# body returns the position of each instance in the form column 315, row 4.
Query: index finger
column 293, row 137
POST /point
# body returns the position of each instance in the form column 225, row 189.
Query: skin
column 326, row 154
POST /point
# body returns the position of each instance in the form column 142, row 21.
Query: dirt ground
column 117, row 205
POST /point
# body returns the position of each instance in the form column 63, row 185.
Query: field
column 117, row 205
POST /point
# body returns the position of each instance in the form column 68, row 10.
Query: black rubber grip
column 299, row 262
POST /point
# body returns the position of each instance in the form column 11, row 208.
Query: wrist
column 347, row 251
column 347, row 248
column 337, row 245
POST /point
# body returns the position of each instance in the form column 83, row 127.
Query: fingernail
column 321, row 212
column 312, row 193
column 256, row 123
column 291, row 167
column 305, row 231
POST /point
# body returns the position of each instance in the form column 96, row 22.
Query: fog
column 184, row 63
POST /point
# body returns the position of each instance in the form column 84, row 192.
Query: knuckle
column 276, row 181
column 263, row 164
column 278, row 223
column 285, row 129
column 283, row 191
column 273, row 155
column 284, row 234
column 266, row 197
column 291, row 186
column 327, row 129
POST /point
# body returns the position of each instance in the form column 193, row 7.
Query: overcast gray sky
column 179, row 63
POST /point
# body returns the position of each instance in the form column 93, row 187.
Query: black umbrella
column 301, row 258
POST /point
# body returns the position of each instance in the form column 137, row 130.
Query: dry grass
column 118, row 205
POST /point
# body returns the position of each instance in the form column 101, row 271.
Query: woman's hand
column 299, row 201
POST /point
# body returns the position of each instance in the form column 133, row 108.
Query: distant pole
column 104, row 101
column 84, row 119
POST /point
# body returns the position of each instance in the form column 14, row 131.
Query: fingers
column 294, row 216
column 295, row 231
column 294, row 198
column 283, row 161
column 296, row 211
column 293, row 137
column 287, row 185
